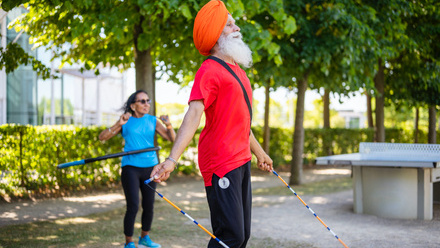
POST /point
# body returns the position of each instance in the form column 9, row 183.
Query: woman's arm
column 115, row 129
column 166, row 132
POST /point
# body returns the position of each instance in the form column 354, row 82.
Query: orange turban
column 208, row 25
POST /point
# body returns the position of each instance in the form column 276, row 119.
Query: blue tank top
column 138, row 133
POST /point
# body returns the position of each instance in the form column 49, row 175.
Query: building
column 73, row 98
column 353, row 119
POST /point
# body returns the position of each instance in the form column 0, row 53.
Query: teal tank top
column 138, row 133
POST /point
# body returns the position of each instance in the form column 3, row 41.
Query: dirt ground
column 277, row 217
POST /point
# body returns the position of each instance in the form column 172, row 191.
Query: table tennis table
column 393, row 180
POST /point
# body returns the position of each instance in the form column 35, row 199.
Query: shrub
column 30, row 154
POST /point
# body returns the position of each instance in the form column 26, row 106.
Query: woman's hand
column 124, row 118
column 115, row 129
column 165, row 120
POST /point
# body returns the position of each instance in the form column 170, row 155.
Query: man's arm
column 186, row 132
column 264, row 162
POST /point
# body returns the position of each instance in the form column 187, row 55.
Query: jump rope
column 223, row 244
column 307, row 206
column 89, row 160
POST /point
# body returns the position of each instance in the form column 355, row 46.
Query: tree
column 266, row 72
column 389, row 25
column 413, row 77
column 329, row 44
column 13, row 55
column 155, row 36
column 114, row 33
column 369, row 110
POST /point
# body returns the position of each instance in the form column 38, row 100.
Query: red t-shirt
column 224, row 142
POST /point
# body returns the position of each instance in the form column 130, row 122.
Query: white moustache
column 236, row 35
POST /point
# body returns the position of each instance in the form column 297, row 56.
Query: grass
column 170, row 228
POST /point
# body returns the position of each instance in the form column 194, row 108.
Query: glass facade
column 21, row 85
column 354, row 122
column 75, row 97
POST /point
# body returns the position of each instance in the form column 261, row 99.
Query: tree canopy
column 414, row 77
column 152, row 36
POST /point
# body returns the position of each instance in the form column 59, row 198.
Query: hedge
column 30, row 154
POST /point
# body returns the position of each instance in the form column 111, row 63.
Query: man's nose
column 236, row 28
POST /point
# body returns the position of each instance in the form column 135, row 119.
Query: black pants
column 230, row 205
column 132, row 179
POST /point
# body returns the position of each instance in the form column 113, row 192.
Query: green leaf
column 278, row 60
column 185, row 11
column 8, row 5
column 279, row 15
column 290, row 25
column 236, row 8
column 144, row 42
column 273, row 49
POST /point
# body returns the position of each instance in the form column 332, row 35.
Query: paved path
column 177, row 189
column 278, row 217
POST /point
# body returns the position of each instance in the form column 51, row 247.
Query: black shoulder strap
column 226, row 66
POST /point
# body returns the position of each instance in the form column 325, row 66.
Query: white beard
column 236, row 49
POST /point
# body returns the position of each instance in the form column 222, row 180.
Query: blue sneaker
column 146, row 242
column 130, row 245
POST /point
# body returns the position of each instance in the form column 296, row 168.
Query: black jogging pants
column 230, row 203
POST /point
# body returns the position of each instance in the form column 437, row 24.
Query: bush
column 30, row 154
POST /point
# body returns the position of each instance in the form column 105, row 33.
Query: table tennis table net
column 399, row 149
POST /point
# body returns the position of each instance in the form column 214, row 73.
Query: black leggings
column 132, row 179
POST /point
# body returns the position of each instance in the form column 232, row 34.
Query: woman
column 138, row 129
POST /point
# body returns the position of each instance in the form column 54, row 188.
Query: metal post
column 98, row 101
column 83, row 105
column 52, row 96
column 3, row 94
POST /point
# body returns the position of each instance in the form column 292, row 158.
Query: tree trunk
column 145, row 72
column 145, row 76
column 369, row 111
column 143, row 64
column 298, row 135
column 266, row 135
column 326, row 101
column 432, row 134
column 379, row 83
column 326, row 143
column 416, row 126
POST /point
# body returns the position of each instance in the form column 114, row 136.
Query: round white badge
column 223, row 183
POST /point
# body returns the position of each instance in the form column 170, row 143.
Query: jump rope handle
column 149, row 180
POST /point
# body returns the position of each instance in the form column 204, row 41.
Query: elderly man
column 226, row 141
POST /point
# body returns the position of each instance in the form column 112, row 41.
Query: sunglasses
column 143, row 101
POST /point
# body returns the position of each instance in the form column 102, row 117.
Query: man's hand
column 161, row 172
column 265, row 163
